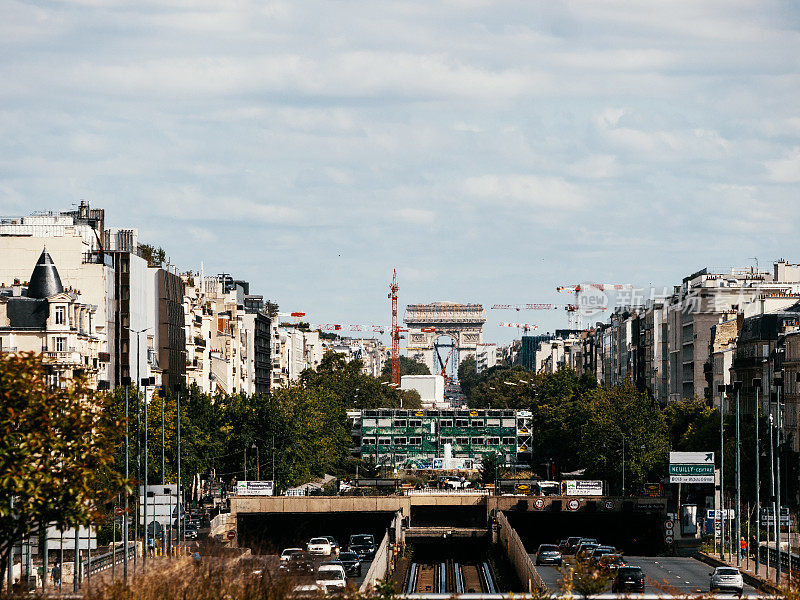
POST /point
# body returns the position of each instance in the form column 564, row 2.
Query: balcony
column 58, row 357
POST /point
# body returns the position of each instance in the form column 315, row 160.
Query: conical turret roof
column 45, row 281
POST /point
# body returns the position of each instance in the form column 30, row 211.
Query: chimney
column 84, row 209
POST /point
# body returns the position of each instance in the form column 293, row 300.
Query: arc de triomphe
column 427, row 322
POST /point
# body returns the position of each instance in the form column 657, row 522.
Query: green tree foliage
column 406, row 366
column 57, row 450
column 490, row 468
column 617, row 412
column 155, row 257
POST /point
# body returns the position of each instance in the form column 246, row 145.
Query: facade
column 370, row 351
column 396, row 436
column 43, row 318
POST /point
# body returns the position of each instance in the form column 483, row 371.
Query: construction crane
column 444, row 362
column 526, row 327
column 393, row 287
column 581, row 288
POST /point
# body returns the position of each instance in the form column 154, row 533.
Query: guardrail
column 379, row 566
column 515, row 550
column 446, row 492
column 790, row 563
column 102, row 562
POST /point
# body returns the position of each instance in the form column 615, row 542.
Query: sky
column 490, row 151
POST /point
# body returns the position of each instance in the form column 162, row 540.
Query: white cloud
column 528, row 190
column 786, row 169
column 416, row 216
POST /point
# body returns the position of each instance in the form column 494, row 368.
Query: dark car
column 299, row 563
column 599, row 552
column 584, row 552
column 362, row 544
column 191, row 532
column 572, row 545
column 610, row 563
column 351, row 563
column 548, row 554
column 628, row 579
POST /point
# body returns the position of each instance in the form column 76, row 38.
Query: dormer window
column 61, row 315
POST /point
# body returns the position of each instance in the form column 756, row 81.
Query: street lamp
column 721, row 389
column 757, row 385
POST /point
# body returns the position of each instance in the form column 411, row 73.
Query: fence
column 515, row 550
column 790, row 563
column 102, row 562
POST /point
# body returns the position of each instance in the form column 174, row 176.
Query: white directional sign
column 691, row 467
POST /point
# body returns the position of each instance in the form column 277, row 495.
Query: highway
column 666, row 575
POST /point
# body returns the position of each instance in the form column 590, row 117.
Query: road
column 666, row 575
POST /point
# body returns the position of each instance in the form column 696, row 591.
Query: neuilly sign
column 691, row 467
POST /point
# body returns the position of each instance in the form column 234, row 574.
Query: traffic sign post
column 691, row 467
column 231, row 534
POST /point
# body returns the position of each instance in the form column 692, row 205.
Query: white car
column 331, row 577
column 288, row 553
column 727, row 579
column 320, row 546
column 454, row 482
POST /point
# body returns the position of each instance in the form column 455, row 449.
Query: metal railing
column 102, row 562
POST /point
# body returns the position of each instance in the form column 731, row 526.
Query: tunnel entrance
column 448, row 516
column 638, row 534
column 271, row 533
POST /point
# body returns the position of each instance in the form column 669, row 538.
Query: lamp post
column 721, row 389
column 737, row 385
column 623, row 465
column 138, row 332
column 145, row 382
column 757, row 385
column 778, row 386
column 126, row 381
column 772, row 484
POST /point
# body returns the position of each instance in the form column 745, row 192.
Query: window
column 509, row 441
column 384, row 441
column 493, row 441
column 462, row 423
column 509, row 423
column 493, row 422
column 447, row 440
column 399, row 441
column 477, row 441
column 399, row 422
column 368, row 422
column 462, row 441
column 368, row 441
column 60, row 344
column 61, row 315
column 478, row 423
column 384, row 422
column 415, row 423
column 446, row 423
column 415, row 441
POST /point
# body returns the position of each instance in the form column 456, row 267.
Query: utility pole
column 144, row 382
column 180, row 496
column 772, row 485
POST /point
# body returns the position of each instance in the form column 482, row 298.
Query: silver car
column 727, row 579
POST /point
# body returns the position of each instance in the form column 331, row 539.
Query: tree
column 489, row 469
column 155, row 257
column 57, row 451
column 406, row 366
column 620, row 413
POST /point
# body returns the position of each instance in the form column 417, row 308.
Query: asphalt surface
column 666, row 575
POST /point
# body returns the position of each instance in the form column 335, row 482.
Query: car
column 331, row 577
column 572, row 545
column 584, row 551
column 548, row 554
column 362, row 544
column 306, row 591
column 288, row 553
column 727, row 579
column 628, row 579
column 297, row 564
column 319, row 546
column 610, row 563
column 351, row 563
column 191, row 532
column 334, row 544
column 453, row 482
column 599, row 552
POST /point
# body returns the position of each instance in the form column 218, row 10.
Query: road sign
column 609, row 504
column 669, row 539
column 691, row 467
column 668, row 525
column 538, row 503
column 119, row 511
column 231, row 534
column 573, row 504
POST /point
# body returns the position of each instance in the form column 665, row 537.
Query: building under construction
column 400, row 437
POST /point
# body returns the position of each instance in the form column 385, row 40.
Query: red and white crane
column 581, row 288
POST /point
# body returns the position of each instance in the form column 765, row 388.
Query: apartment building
column 44, row 318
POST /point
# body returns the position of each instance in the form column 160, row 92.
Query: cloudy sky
column 489, row 150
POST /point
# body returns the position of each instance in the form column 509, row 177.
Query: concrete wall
column 518, row 556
